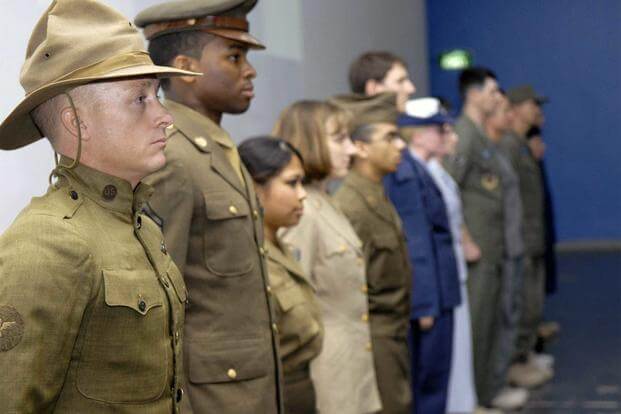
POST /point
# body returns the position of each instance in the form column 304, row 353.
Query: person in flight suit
column 526, row 105
column 477, row 172
column 91, row 304
column 435, row 279
column 208, row 207
column 361, row 198
column 277, row 170
column 330, row 253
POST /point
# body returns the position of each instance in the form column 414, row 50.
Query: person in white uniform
column 461, row 393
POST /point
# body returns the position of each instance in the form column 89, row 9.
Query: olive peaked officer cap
column 366, row 110
column 74, row 43
column 224, row 18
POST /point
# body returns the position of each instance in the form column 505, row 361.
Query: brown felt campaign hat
column 366, row 110
column 74, row 43
column 224, row 18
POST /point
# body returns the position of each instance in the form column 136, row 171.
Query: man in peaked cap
column 362, row 200
column 436, row 288
column 91, row 304
column 208, row 207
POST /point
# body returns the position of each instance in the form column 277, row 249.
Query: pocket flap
column 386, row 241
column 222, row 206
column 289, row 296
column 139, row 290
column 231, row 361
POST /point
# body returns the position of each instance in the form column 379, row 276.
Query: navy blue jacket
column 435, row 281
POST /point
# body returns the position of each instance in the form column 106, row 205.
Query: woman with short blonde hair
column 330, row 253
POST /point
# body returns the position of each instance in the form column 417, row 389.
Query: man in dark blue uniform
column 435, row 284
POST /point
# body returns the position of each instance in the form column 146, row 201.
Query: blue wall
column 570, row 50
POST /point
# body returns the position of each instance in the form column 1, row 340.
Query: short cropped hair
column 265, row 157
column 371, row 65
column 303, row 125
column 473, row 78
column 164, row 49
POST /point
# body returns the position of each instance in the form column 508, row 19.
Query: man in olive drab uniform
column 526, row 104
column 477, row 172
column 91, row 304
column 362, row 200
column 208, row 207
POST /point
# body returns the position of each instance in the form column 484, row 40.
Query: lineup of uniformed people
column 370, row 255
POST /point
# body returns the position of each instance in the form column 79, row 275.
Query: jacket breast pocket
column 233, row 361
column 126, row 347
column 230, row 247
column 296, row 319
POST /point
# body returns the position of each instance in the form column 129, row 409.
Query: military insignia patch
column 11, row 328
column 489, row 181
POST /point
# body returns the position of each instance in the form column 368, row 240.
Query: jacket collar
column 330, row 214
column 202, row 132
column 372, row 193
column 196, row 127
column 107, row 191
column 284, row 258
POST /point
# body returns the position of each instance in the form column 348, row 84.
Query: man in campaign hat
column 363, row 201
column 208, row 207
column 436, row 287
column 91, row 304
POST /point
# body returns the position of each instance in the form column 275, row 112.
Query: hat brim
column 405, row 120
column 239, row 36
column 19, row 130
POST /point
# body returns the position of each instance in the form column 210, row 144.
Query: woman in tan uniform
column 276, row 168
column 331, row 254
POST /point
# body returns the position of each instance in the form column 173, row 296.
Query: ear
column 362, row 150
column 373, row 87
column 69, row 121
column 184, row 62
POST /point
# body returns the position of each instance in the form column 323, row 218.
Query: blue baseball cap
column 423, row 112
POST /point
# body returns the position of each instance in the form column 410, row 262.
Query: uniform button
column 179, row 395
column 255, row 214
column 142, row 305
column 369, row 347
column 163, row 247
column 262, row 251
column 231, row 373
column 269, row 289
column 364, row 289
column 233, row 210
column 109, row 192
column 275, row 328
column 138, row 222
column 200, row 141
column 365, row 317
column 73, row 195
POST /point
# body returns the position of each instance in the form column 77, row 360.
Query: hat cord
column 76, row 161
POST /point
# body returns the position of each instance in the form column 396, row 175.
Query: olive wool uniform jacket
column 91, row 304
column 213, row 227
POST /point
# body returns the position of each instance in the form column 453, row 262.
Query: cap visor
column 18, row 129
column 238, row 35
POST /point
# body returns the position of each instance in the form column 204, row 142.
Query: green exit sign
column 456, row 59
